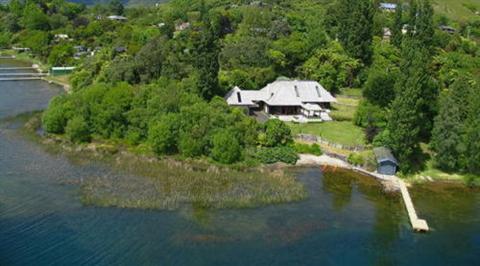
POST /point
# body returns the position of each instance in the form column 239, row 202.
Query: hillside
column 459, row 10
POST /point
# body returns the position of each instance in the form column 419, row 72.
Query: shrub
column 163, row 135
column 77, row 130
column 277, row 133
column 308, row 149
column 54, row 119
column 283, row 154
column 225, row 147
column 356, row 159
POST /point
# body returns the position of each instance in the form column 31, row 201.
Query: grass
column 458, row 10
column 351, row 92
column 340, row 132
column 345, row 108
column 168, row 184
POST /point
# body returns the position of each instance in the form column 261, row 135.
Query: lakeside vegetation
column 144, row 181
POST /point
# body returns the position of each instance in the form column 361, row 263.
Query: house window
column 318, row 91
column 239, row 96
column 296, row 91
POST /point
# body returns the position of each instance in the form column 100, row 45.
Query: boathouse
column 386, row 162
column 58, row 71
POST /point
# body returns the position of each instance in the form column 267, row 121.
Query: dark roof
column 384, row 154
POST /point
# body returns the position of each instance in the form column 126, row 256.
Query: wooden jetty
column 18, row 68
column 23, row 74
column 418, row 225
column 20, row 78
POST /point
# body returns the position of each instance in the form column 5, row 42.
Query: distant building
column 61, row 37
column 386, row 162
column 387, row 34
column 120, row 49
column 21, row 49
column 389, row 7
column 448, row 29
column 182, row 26
column 117, row 18
column 287, row 100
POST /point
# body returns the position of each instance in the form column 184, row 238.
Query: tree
column 77, row 130
column 379, row 88
column 355, row 20
column 447, row 134
column 472, row 136
column 163, row 134
column 207, row 65
column 424, row 29
column 277, row 133
column 116, row 7
column 397, row 27
column 225, row 147
column 408, row 116
column 55, row 118
column 332, row 67
column 34, row 18
column 60, row 55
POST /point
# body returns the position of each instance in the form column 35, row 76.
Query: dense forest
column 156, row 80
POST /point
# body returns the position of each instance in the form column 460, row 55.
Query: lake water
column 345, row 221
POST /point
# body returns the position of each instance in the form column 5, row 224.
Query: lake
column 347, row 219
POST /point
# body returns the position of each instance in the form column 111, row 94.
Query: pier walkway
column 418, row 225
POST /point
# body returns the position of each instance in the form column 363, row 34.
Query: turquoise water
column 347, row 220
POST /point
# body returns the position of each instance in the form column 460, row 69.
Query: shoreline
column 41, row 68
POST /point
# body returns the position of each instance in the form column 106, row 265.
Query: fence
column 316, row 139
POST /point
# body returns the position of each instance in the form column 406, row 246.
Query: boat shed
column 59, row 71
column 386, row 162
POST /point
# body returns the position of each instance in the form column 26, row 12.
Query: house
column 120, row 49
column 182, row 26
column 288, row 100
column 20, row 49
column 389, row 7
column 387, row 34
column 117, row 18
column 448, row 29
column 386, row 162
column 59, row 37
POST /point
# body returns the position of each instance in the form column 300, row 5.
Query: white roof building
column 284, row 97
column 282, row 93
column 117, row 18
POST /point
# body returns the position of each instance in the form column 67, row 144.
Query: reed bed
column 168, row 185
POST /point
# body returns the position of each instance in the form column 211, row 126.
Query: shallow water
column 346, row 220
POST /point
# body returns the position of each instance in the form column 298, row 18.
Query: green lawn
column 459, row 10
column 345, row 108
column 341, row 132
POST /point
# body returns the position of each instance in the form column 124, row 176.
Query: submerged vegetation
column 169, row 184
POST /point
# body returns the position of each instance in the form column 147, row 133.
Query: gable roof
column 388, row 6
column 282, row 93
column 384, row 154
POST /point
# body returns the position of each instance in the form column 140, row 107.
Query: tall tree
column 424, row 29
column 407, row 117
column 447, row 134
column 355, row 31
column 472, row 137
column 207, row 51
column 397, row 27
